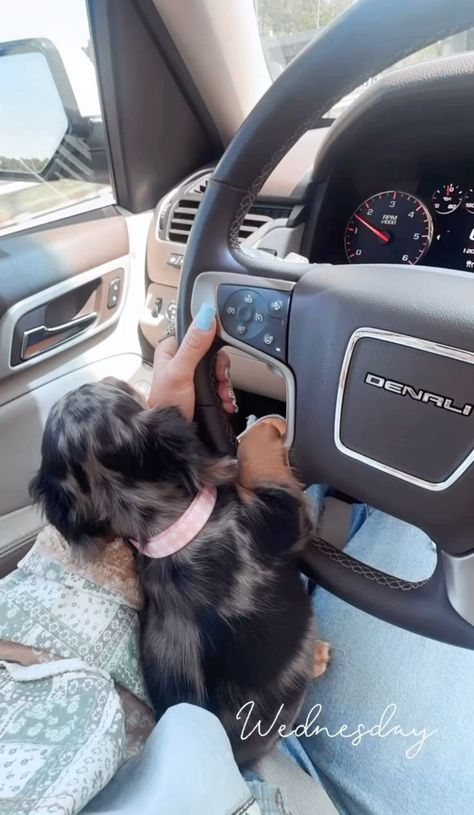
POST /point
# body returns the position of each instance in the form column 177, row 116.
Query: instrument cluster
column 435, row 226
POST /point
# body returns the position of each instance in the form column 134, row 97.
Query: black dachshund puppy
column 227, row 620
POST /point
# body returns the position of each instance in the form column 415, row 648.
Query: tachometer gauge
column 447, row 199
column 389, row 227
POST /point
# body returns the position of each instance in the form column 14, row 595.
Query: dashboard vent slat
column 182, row 218
column 183, row 212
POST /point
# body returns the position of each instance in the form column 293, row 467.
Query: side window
column 53, row 160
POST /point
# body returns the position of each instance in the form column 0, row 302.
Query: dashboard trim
column 410, row 342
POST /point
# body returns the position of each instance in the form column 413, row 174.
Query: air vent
column 184, row 212
column 182, row 218
column 259, row 215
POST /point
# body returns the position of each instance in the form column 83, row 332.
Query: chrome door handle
column 41, row 339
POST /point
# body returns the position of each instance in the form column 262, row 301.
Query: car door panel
column 32, row 262
column 69, row 259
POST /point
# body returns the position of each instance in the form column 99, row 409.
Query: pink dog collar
column 184, row 530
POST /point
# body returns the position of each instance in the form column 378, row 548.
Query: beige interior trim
column 81, row 246
column 296, row 165
column 252, row 375
column 222, row 51
column 234, row 75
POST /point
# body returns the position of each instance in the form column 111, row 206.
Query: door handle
column 40, row 339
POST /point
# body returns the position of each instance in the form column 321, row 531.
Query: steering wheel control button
column 256, row 316
column 245, row 314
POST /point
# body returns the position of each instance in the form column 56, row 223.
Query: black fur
column 226, row 620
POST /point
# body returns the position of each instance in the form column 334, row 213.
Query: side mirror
column 43, row 133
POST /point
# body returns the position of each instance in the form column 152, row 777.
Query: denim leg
column 382, row 675
column 186, row 766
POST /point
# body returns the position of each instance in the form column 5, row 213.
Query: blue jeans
column 396, row 715
column 380, row 671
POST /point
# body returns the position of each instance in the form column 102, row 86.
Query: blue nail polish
column 205, row 317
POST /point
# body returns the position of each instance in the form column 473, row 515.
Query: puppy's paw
column 322, row 656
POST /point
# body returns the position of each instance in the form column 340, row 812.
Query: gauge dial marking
column 389, row 227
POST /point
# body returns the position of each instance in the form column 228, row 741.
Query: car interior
column 328, row 213
column 88, row 294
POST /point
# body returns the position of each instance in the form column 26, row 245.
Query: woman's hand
column 173, row 368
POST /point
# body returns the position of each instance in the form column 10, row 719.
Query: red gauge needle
column 382, row 235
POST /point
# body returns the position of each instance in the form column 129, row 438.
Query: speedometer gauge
column 389, row 227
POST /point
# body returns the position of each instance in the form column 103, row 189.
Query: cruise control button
column 249, row 298
column 230, row 310
column 241, row 329
column 268, row 339
column 258, row 317
column 276, row 305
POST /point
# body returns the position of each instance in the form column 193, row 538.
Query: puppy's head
column 107, row 460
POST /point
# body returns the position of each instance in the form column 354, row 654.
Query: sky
column 32, row 117
column 28, row 108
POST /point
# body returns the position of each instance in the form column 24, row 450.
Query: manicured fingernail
column 227, row 373
column 205, row 317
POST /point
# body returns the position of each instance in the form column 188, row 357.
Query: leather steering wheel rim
column 355, row 47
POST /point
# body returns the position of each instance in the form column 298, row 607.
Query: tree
column 277, row 17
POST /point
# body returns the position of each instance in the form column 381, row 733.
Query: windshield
column 287, row 26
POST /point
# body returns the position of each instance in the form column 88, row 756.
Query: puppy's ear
column 171, row 449
column 54, row 499
column 64, row 513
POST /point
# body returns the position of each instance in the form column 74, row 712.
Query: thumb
column 197, row 340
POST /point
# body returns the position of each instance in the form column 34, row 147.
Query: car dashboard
column 427, row 220
column 389, row 182
column 395, row 178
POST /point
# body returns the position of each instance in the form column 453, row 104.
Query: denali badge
column 435, row 399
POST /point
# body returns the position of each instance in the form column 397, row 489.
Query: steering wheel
column 352, row 340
